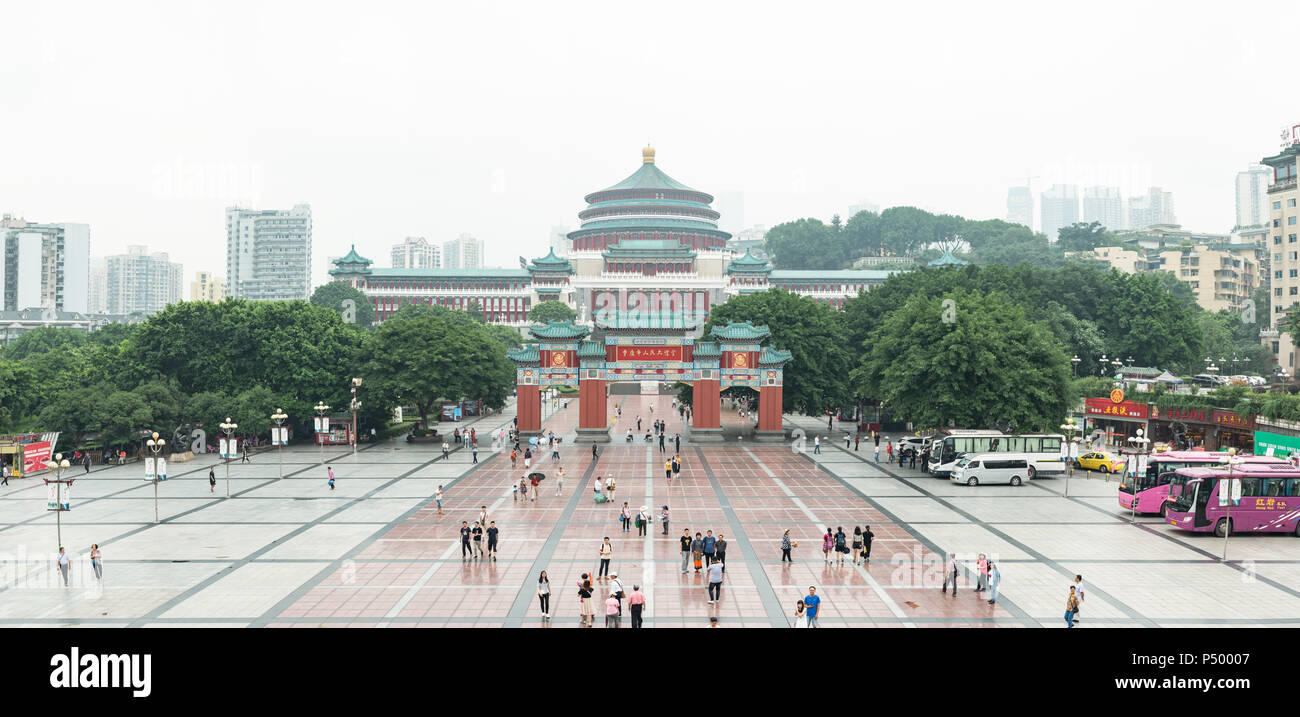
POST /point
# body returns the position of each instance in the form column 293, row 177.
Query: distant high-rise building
column 1105, row 206
column 1060, row 208
column 1020, row 206
column 862, row 206
column 463, row 252
column 416, row 253
column 142, row 282
column 44, row 266
column 207, row 287
column 97, row 297
column 1252, row 196
column 268, row 253
column 1156, row 207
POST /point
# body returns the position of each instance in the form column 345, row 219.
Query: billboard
column 34, row 456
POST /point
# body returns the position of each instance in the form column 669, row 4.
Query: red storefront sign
column 34, row 456
column 1196, row 415
column 1123, row 409
column 648, row 353
column 1233, row 420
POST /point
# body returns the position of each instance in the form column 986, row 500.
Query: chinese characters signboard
column 648, row 353
column 1124, row 409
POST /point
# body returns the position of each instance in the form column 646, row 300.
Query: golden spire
column 648, row 155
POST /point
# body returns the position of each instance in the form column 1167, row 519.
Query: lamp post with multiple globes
column 151, row 472
column 58, row 465
column 228, row 427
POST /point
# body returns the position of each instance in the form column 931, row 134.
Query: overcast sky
column 415, row 119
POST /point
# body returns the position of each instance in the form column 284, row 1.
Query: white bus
column 1043, row 448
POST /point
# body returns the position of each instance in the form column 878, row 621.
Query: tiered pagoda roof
column 748, row 263
column 770, row 356
column 551, row 262
column 740, row 331
column 558, row 330
column 527, row 353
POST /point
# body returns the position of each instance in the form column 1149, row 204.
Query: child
column 330, row 470
column 514, row 489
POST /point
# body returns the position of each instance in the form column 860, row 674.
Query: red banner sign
column 1124, row 409
column 648, row 353
column 1184, row 414
column 35, row 455
column 1232, row 420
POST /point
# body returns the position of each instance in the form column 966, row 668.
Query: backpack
column 839, row 540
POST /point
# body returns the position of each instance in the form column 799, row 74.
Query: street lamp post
column 321, row 409
column 228, row 428
column 58, row 465
column 356, row 383
column 1074, row 365
column 1139, row 442
column 1069, row 427
column 1104, row 362
column 279, row 417
column 1231, row 460
column 156, row 446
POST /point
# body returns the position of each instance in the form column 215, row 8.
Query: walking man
column 1071, row 605
column 64, row 565
column 212, row 480
column 715, row 582
column 664, row 517
column 812, row 605
column 446, row 451
column 710, row 545
column 492, row 533
column 950, row 573
column 86, row 462
column 465, row 550
column 685, row 540
column 817, row 444
column 637, row 602
column 677, row 442
column 474, row 451
column 478, row 540
column 661, row 442
column 559, row 480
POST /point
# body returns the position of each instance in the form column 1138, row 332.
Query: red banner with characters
column 35, row 455
column 1124, row 409
column 648, row 353
column 1234, row 420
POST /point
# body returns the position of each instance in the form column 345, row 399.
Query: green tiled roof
column 948, row 260
column 748, row 260
column 527, row 353
column 591, row 349
column 353, row 257
column 707, row 349
column 649, row 247
column 551, row 261
column 664, row 222
column 832, row 274
column 773, row 356
column 649, row 177
column 450, row 273
column 558, row 330
column 740, row 331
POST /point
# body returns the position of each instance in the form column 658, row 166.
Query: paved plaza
column 374, row 552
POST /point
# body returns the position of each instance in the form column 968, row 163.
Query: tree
column 43, row 340
column 816, row 378
column 551, row 310
column 507, row 335
column 806, row 244
column 975, row 362
column 420, row 357
column 1082, row 237
column 332, row 295
column 474, row 309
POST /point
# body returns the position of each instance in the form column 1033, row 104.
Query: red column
column 769, row 408
column 528, row 408
column 706, row 404
column 591, row 404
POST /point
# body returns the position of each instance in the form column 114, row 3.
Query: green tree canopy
column 551, row 310
column 332, row 295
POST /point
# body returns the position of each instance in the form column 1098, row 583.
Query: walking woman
column 625, row 517
column 587, row 616
column 786, row 544
column 1071, row 607
column 97, row 561
column 828, row 542
column 867, row 535
column 857, row 544
column 544, row 595
column 840, row 547
column 606, row 551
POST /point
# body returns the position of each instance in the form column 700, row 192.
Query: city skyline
column 160, row 170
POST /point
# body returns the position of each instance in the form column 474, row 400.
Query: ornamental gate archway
column 643, row 349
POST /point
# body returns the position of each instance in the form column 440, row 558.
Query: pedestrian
column 528, row 458
column 720, row 551
column 478, row 540
column 625, row 517
column 830, row 422
column 593, row 452
column 710, row 547
column 514, row 458
column 97, row 561
column 244, row 458
column 64, row 565
column 599, row 485
column 611, row 611
column 981, row 573
column 465, row 551
column 212, row 480
column 1071, row 604
column 685, row 540
column 492, row 534
column 867, row 535
column 817, row 444
column 555, row 452
column 828, row 543
column 514, row 489
column 1078, row 591
column 616, row 587
column 544, row 595
column 643, row 520
column 800, row 616
column 372, row 435
column 912, row 462
column 609, row 487
column 877, row 456
column 536, row 481
column 663, row 516
column 786, row 544
column 636, row 601
column 606, row 552
column 697, row 551
column 857, row 544
column 677, row 442
column 587, row 615
column 668, row 471
column 715, row 582
column 4, row 470
column 474, row 452
column 841, row 546
column 482, row 516
column 661, row 443
column 86, row 462
column 446, row 451
column 437, row 496
column 847, row 440
column 559, row 480
column 995, row 577
column 889, row 452
column 330, row 472
column 638, row 424
column 677, row 466
column 857, row 439
column 812, row 606
column 950, row 573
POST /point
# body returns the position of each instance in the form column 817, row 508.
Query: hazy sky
column 402, row 119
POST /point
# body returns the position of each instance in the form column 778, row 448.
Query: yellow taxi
column 1098, row 461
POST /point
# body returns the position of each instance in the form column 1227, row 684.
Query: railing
column 1282, row 186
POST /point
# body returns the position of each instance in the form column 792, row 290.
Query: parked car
column 1099, row 461
column 982, row 468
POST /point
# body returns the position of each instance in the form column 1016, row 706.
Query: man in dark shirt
column 710, row 543
column 686, row 549
column 478, row 540
column 492, row 539
column 464, row 540
column 720, row 552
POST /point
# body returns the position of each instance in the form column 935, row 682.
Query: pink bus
column 1160, row 484
column 1270, row 500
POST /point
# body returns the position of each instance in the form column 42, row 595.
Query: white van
column 977, row 468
